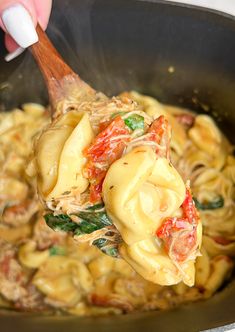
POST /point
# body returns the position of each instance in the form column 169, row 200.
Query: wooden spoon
column 61, row 80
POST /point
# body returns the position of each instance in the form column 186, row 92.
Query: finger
column 28, row 4
column 18, row 23
column 11, row 45
column 43, row 10
column 13, row 48
column 18, row 19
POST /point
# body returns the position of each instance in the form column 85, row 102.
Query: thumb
column 18, row 19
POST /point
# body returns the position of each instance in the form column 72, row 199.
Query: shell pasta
column 118, row 205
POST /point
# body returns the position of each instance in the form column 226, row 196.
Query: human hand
column 18, row 19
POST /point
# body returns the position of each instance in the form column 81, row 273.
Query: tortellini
column 210, row 273
column 30, row 257
column 64, row 280
column 140, row 189
column 207, row 136
column 207, row 148
column 218, row 246
column 41, row 269
column 209, row 163
column 59, row 157
column 12, row 190
column 151, row 190
column 153, row 264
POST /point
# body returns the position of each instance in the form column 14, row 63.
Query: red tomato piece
column 187, row 120
column 5, row 265
column 180, row 234
column 103, row 125
column 95, row 191
column 160, row 131
column 111, row 300
column 222, row 240
column 107, row 147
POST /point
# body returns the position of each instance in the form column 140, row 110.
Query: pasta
column 41, row 269
column 30, row 257
column 62, row 170
column 155, row 183
column 63, row 280
column 151, row 198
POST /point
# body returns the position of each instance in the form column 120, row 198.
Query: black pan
column 119, row 45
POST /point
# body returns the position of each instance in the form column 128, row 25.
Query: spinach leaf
column 216, row 204
column 91, row 220
column 135, row 121
column 97, row 219
column 57, row 251
column 61, row 222
column 102, row 244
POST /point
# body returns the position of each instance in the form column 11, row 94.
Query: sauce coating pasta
column 135, row 147
column 45, row 270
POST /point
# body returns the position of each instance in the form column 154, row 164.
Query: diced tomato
column 107, row 147
column 160, row 131
column 5, row 265
column 19, row 208
column 189, row 208
column 180, row 234
column 95, row 191
column 103, row 125
column 94, row 174
column 222, row 240
column 111, row 300
column 187, row 120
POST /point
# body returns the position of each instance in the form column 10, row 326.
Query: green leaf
column 113, row 252
column 57, row 251
column 86, row 227
column 135, row 121
column 98, row 206
column 216, row 204
column 102, row 245
column 92, row 219
column 61, row 222
column 99, row 243
column 97, row 219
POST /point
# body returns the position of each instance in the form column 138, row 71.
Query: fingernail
column 19, row 25
column 14, row 54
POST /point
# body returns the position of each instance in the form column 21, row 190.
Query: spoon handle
column 58, row 76
column 49, row 60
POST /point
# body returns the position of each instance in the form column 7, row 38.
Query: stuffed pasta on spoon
column 104, row 174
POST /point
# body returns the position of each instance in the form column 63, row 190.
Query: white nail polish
column 14, row 54
column 19, row 25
